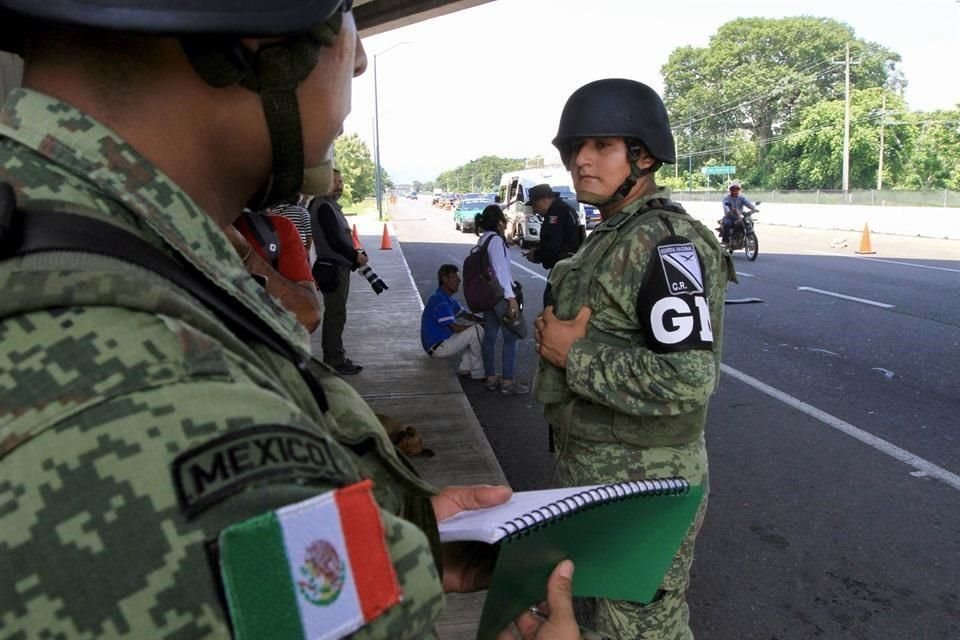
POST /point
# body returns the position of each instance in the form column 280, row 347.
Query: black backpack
column 481, row 289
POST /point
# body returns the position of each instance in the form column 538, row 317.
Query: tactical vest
column 570, row 286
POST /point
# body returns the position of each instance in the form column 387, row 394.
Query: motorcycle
column 742, row 236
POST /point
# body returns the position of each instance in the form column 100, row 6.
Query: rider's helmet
column 617, row 108
column 734, row 186
column 209, row 32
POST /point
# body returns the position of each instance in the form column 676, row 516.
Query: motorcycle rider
column 733, row 205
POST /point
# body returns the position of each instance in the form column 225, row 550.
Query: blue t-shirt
column 440, row 312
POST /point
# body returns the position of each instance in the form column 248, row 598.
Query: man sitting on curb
column 448, row 330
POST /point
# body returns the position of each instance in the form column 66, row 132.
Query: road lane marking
column 530, row 271
column 882, row 305
column 869, row 439
column 905, row 264
column 744, row 273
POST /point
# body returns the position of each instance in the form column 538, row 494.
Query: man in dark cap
column 560, row 232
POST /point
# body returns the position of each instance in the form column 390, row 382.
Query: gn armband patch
column 673, row 305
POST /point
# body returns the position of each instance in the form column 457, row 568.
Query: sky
column 492, row 80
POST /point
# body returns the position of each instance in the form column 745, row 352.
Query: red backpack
column 481, row 289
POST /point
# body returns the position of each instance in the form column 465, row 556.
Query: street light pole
column 376, row 140
column 376, row 130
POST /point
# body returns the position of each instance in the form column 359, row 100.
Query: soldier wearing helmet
column 173, row 463
column 733, row 206
column 630, row 347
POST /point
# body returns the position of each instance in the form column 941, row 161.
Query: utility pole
column 883, row 120
column 676, row 154
column 846, row 128
column 690, row 157
column 724, row 143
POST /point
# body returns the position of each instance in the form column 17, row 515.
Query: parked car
column 466, row 211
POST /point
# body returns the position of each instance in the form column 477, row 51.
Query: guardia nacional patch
column 672, row 305
column 315, row 570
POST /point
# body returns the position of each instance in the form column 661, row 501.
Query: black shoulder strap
column 485, row 254
column 42, row 231
column 263, row 229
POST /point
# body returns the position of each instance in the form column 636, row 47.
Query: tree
column 812, row 156
column 356, row 167
column 935, row 162
column 482, row 174
column 757, row 74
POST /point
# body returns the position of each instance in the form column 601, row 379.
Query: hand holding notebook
column 621, row 537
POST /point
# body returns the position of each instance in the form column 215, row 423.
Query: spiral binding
column 559, row 509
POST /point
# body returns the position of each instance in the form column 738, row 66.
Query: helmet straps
column 274, row 71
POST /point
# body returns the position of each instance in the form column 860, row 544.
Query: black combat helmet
column 210, row 32
column 171, row 17
column 616, row 108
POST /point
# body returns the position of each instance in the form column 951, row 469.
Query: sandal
column 493, row 385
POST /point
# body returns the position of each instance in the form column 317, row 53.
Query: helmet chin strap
column 621, row 192
column 274, row 71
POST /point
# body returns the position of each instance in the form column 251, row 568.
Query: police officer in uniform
column 560, row 231
column 630, row 349
column 159, row 412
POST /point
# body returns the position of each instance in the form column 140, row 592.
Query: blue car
column 466, row 211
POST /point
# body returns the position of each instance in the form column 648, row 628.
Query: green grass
column 366, row 207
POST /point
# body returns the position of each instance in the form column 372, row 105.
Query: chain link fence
column 885, row 197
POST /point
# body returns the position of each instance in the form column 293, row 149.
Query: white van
column 523, row 225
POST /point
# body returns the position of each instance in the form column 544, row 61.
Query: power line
column 734, row 105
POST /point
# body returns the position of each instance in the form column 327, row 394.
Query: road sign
column 719, row 170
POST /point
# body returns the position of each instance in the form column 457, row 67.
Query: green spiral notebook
column 621, row 537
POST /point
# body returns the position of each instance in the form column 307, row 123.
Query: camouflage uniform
column 622, row 410
column 110, row 375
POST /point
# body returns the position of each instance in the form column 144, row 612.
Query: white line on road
column 892, row 450
column 879, row 444
column 882, row 305
column 530, row 271
column 905, row 264
column 744, row 273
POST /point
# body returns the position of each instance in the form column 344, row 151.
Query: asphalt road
column 833, row 439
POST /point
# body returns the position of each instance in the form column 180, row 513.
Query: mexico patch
column 223, row 466
column 314, row 570
column 681, row 268
column 672, row 304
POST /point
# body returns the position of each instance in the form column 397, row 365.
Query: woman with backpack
column 490, row 225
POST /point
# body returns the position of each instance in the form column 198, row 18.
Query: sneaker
column 348, row 369
column 493, row 385
column 514, row 388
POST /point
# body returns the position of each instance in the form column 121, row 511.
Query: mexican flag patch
column 313, row 570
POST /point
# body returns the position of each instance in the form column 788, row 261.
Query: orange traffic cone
column 385, row 242
column 865, row 241
column 356, row 239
